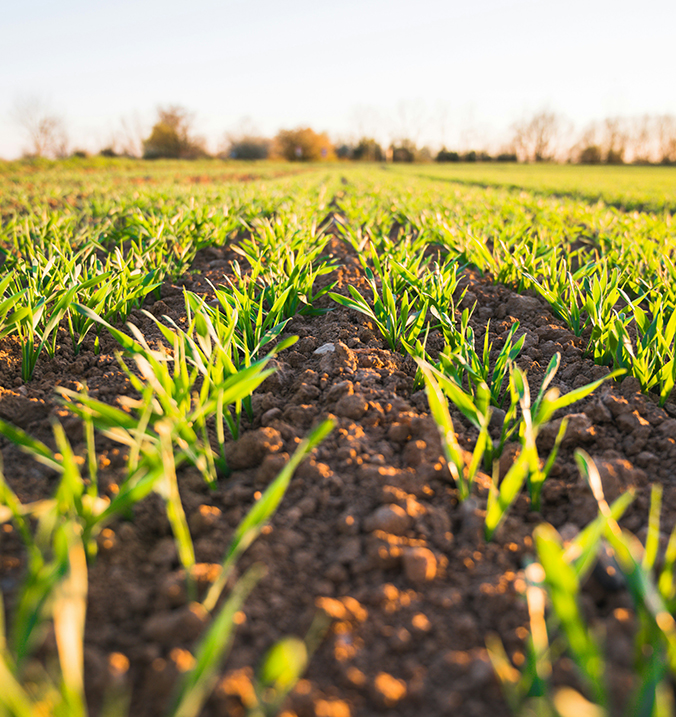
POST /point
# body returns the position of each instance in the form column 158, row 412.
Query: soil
column 370, row 530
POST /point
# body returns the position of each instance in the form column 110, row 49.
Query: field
column 337, row 440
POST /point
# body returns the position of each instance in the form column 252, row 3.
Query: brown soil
column 370, row 529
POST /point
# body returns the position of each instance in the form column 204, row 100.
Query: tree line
column 543, row 137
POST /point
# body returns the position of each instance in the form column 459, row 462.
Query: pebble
column 668, row 428
column 520, row 304
column 580, row 430
column 349, row 551
column 164, row 553
column 251, row 448
column 630, row 421
column 348, row 524
column 388, row 690
column 340, row 389
column 205, row 518
column 420, row 564
column 268, row 417
column 171, row 627
column 616, row 405
column 399, row 432
column 630, row 386
column 327, row 348
column 598, row 412
column 354, row 406
column 471, row 521
column 390, row 519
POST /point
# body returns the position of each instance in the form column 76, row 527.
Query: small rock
column 645, row 458
column 471, row 521
column 399, row 432
column 598, row 412
column 630, row 386
column 413, row 453
column 349, row 551
column 300, row 415
column 497, row 418
column 631, row 421
column 250, row 450
column 568, row 532
column 307, row 345
column 616, row 405
column 348, row 524
column 388, row 690
column 420, row 564
column 268, row 417
column 164, row 553
column 345, row 358
column 327, row 348
column 618, row 475
column 270, row 467
column 205, row 518
column 668, row 428
column 353, row 407
column 522, row 304
column 336, row 573
column 580, row 430
column 481, row 671
column 170, row 627
column 390, row 519
column 338, row 390
column 607, row 571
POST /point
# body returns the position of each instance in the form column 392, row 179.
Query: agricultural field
column 626, row 187
column 335, row 441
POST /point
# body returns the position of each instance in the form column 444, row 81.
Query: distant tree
column 247, row 148
column 534, row 138
column 303, row 145
column 445, row 156
column 344, row 151
column 666, row 139
column 507, row 157
column 44, row 129
column 368, row 150
column 470, row 156
column 615, row 140
column 591, row 154
column 171, row 136
column 403, row 150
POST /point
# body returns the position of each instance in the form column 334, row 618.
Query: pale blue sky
column 457, row 72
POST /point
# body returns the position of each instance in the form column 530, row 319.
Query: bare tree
column 666, row 139
column 129, row 140
column 410, row 120
column 535, row 139
column 45, row 130
column 615, row 139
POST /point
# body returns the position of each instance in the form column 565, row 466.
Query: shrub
column 249, row 148
column 171, row 137
column 615, row 156
column 404, row 151
column 445, row 156
column 368, row 150
column 303, row 145
column 591, row 155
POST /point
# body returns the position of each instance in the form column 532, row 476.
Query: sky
column 453, row 73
